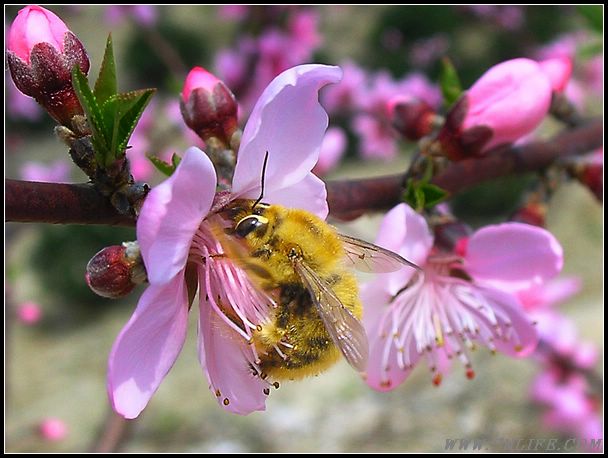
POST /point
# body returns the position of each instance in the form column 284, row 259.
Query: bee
column 305, row 264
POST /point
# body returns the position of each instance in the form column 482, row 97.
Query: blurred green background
column 58, row 367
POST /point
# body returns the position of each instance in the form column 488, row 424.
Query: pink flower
column 559, row 71
column 344, row 96
column 29, row 313
column 56, row 172
column 53, row 429
column 179, row 251
column 332, row 149
column 509, row 101
column 41, row 54
column 460, row 301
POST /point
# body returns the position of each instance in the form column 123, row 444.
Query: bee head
column 251, row 223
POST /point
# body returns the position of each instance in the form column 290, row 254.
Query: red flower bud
column 116, row 270
column 509, row 101
column 41, row 54
column 590, row 172
column 412, row 118
column 208, row 106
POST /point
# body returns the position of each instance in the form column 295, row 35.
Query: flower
column 41, row 54
column 29, row 313
column 458, row 302
column 509, row 101
column 53, row 429
column 559, row 71
column 180, row 251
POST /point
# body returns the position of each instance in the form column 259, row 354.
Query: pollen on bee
column 226, row 401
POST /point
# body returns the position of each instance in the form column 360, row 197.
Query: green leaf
column 94, row 115
column 162, row 166
column 451, row 88
column 106, row 84
column 122, row 112
column 433, row 194
column 594, row 15
column 589, row 50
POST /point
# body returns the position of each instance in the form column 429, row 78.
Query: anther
column 218, row 393
column 226, row 401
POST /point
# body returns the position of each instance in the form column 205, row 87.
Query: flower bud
column 116, row 270
column 209, row 107
column 590, row 172
column 41, row 54
column 412, row 118
column 558, row 70
column 533, row 212
column 509, row 101
column 29, row 313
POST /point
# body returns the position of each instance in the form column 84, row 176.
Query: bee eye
column 248, row 224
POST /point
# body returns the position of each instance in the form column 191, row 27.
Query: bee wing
column 367, row 257
column 345, row 329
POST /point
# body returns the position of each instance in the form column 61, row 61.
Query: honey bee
column 305, row 264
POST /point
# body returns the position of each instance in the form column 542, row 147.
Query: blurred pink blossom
column 56, row 172
column 53, row 429
column 173, row 231
column 29, row 313
column 558, row 70
column 458, row 302
column 143, row 15
column 332, row 149
column 20, row 106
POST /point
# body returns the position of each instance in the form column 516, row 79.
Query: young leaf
column 451, row 88
column 433, row 194
column 94, row 114
column 162, row 166
column 121, row 113
column 106, row 84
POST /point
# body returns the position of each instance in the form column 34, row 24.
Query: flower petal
column 405, row 232
column 172, row 213
column 289, row 123
column 223, row 355
column 308, row 194
column 513, row 255
column 147, row 346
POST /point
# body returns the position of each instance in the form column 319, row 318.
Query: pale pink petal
column 405, row 232
column 147, row 346
column 224, row 355
column 172, row 213
column 308, row 194
column 513, row 255
column 547, row 295
column 289, row 123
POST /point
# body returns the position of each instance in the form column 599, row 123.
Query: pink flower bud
column 208, row 106
column 115, row 270
column 29, row 313
column 34, row 25
column 53, row 429
column 412, row 118
column 558, row 70
column 509, row 101
column 41, row 54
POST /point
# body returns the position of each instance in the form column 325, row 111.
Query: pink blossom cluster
column 254, row 61
column 570, row 395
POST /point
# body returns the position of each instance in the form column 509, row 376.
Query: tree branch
column 82, row 204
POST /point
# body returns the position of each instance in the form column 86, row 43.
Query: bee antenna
column 263, row 180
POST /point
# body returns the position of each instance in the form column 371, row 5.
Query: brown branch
column 81, row 204
column 59, row 203
column 113, row 433
column 349, row 198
